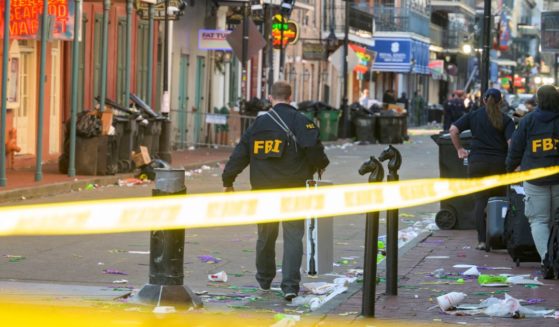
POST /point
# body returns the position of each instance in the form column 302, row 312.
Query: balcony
column 401, row 19
column 466, row 7
column 437, row 35
column 360, row 21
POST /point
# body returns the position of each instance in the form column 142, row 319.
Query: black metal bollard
column 374, row 167
column 165, row 140
column 166, row 270
column 395, row 161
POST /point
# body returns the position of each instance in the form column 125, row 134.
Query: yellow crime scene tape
column 227, row 209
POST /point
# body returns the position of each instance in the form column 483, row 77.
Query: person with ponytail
column 491, row 133
column 535, row 144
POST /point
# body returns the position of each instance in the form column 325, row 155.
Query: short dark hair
column 548, row 98
column 281, row 91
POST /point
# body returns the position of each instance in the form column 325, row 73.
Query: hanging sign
column 213, row 40
column 142, row 9
column 25, row 19
column 290, row 32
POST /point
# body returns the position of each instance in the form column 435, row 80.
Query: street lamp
column 467, row 48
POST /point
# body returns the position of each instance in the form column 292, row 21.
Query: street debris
column 218, row 277
column 138, row 252
column 507, row 307
column 471, row 272
column 164, row 309
column 129, row 182
column 113, row 272
column 120, row 281
column 209, row 259
column 14, row 258
column 450, row 300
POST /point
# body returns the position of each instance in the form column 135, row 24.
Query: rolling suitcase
column 497, row 208
column 518, row 233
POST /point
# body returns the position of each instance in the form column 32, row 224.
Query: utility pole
column 282, row 49
column 345, row 107
column 486, row 37
column 244, row 59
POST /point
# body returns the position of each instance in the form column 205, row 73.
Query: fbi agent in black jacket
column 283, row 150
column 535, row 144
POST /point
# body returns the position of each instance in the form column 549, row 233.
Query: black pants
column 482, row 169
column 293, row 232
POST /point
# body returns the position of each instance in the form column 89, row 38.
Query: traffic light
column 286, row 7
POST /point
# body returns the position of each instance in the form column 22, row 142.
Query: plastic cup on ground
column 450, row 300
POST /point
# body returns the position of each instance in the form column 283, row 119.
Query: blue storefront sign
column 401, row 55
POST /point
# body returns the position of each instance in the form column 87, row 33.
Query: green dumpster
column 308, row 114
column 328, row 120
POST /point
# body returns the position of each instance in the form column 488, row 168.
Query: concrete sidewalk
column 418, row 289
column 22, row 184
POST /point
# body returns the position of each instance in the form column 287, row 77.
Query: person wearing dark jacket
column 283, row 150
column 491, row 133
column 453, row 109
column 535, row 145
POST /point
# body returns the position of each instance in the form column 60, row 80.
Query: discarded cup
column 450, row 300
column 218, row 277
column 439, row 273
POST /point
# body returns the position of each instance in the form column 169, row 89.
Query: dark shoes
column 289, row 296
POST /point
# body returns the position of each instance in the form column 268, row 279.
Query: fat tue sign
column 142, row 9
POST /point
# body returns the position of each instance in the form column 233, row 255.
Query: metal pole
column 371, row 242
column 127, row 53
column 555, row 68
column 104, row 54
column 394, row 163
column 166, row 269
column 486, row 32
column 345, row 107
column 74, row 95
column 282, row 50
column 4, row 110
column 166, row 62
column 42, row 81
column 244, row 59
column 270, row 47
column 150, row 55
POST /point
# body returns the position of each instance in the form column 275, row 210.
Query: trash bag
column 149, row 169
column 88, row 125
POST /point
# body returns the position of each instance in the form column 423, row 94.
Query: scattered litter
column 117, row 251
column 462, row 266
column 491, row 279
column 471, row 272
column 191, row 148
column 138, row 252
column 522, row 280
column 89, row 187
column 355, row 272
column 114, row 272
column 206, row 167
column 460, row 281
column 100, row 263
column 188, row 173
column 320, row 288
column 164, row 309
column 438, row 273
column 349, row 313
column 406, row 215
column 218, row 277
column 209, row 259
column 437, row 257
column 201, row 292
column 130, row 182
column 535, row 301
column 416, row 296
column 510, row 307
column 450, row 300
column 120, row 281
column 14, row 258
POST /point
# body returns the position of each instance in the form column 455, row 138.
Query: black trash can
column 391, row 129
column 126, row 135
column 435, row 114
column 458, row 212
column 365, row 128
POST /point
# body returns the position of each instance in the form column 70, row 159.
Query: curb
column 356, row 287
column 31, row 192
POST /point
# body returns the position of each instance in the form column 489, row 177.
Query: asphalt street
column 80, row 260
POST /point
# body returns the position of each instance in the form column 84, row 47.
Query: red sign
column 25, row 18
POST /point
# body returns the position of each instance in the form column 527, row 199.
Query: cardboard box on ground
column 141, row 158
